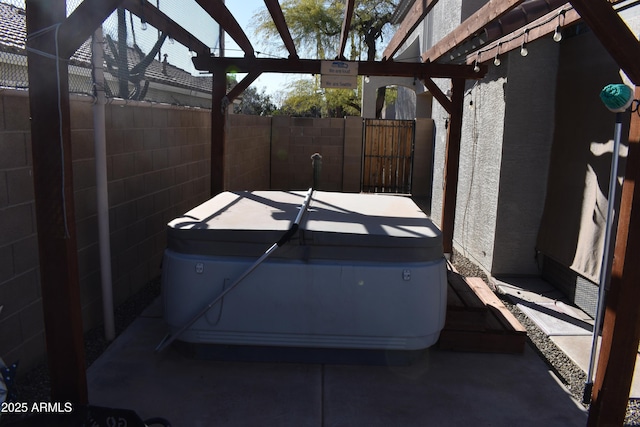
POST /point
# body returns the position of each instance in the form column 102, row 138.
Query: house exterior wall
column 506, row 139
column 529, row 125
column 158, row 167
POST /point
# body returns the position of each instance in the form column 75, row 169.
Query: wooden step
column 465, row 310
column 477, row 320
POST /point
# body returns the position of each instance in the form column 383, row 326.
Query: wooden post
column 452, row 160
column 621, row 327
column 218, row 131
column 54, row 203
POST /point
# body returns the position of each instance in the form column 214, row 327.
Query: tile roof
column 13, row 35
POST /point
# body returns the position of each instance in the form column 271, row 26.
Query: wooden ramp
column 477, row 320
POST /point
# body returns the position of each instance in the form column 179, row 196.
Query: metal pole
column 101, row 184
column 316, row 162
column 604, row 269
column 169, row 338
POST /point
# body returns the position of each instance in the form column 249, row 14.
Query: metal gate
column 388, row 156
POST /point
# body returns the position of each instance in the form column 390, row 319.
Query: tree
column 255, row 103
column 316, row 26
column 369, row 21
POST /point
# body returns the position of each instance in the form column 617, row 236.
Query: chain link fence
column 140, row 62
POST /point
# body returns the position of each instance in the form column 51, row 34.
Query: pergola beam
column 539, row 28
column 281, row 25
column 346, row 25
column 417, row 14
column 613, row 33
column 157, row 19
column 81, row 24
column 53, row 190
column 221, row 14
column 312, row 66
column 471, row 27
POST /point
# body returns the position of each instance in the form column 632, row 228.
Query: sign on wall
column 339, row 75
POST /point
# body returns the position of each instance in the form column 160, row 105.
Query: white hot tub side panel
column 331, row 304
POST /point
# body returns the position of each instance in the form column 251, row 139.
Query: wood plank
column 452, row 160
column 613, row 33
column 346, row 25
column 162, row 22
column 621, row 328
column 491, row 300
column 415, row 17
column 365, row 68
column 54, row 203
column 221, row 14
column 460, row 286
column 478, row 322
column 493, row 10
column 81, row 24
column 278, row 18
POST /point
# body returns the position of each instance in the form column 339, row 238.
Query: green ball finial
column 617, row 97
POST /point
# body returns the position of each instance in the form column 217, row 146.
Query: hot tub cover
column 374, row 227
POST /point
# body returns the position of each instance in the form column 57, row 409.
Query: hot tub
column 363, row 271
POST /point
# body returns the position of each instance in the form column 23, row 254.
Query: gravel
column 572, row 376
column 34, row 386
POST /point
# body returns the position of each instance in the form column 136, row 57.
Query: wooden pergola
column 52, row 38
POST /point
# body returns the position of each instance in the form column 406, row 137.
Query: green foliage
column 315, row 26
column 255, row 103
column 305, row 98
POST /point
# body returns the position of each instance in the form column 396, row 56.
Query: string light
column 143, row 24
column 496, row 60
column 523, row 49
column 476, row 67
column 557, row 35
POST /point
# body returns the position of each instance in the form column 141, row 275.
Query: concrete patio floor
column 440, row 389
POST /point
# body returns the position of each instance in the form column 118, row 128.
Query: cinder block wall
column 295, row 140
column 158, row 167
column 21, row 325
column 247, row 152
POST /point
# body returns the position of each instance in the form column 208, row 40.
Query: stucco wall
column 528, row 136
column 507, row 133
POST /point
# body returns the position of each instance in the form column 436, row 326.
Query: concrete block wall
column 247, row 152
column 21, row 319
column 158, row 168
column 295, row 140
column 352, row 157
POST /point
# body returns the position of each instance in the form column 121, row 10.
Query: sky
column 193, row 18
column 243, row 11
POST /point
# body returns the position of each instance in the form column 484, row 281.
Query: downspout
column 102, row 195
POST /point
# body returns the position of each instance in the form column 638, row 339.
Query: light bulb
column 476, row 68
column 143, row 25
column 497, row 61
column 523, row 50
column 557, row 36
